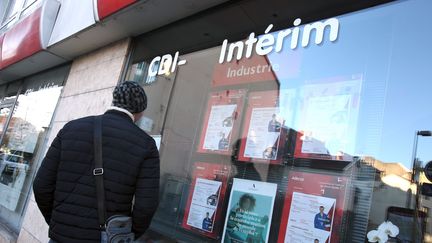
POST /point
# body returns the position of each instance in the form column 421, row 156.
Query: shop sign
column 261, row 45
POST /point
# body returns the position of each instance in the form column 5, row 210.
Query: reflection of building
column 393, row 188
column 21, row 135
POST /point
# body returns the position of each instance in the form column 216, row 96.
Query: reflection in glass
column 29, row 123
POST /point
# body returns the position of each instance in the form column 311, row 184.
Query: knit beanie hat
column 131, row 96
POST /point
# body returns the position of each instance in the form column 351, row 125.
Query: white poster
column 250, row 212
column 330, row 114
column 327, row 124
column 310, row 219
column 262, row 141
column 204, row 203
column 219, row 126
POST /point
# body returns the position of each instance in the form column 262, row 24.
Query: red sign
column 203, row 212
column 22, row 40
column 108, row 7
column 314, row 208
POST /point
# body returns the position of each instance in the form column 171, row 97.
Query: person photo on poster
column 321, row 220
column 274, row 125
column 250, row 211
column 207, row 224
column 223, row 142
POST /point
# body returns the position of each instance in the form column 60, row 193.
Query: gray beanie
column 131, row 96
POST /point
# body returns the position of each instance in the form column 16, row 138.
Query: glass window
column 309, row 144
column 26, row 119
column 13, row 11
column 29, row 7
column 18, row 9
column 158, row 90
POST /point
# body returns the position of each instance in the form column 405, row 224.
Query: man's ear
column 138, row 116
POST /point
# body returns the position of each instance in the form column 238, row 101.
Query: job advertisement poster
column 265, row 126
column 219, row 126
column 329, row 116
column 220, row 121
column 207, row 193
column 310, row 218
column 313, row 210
column 204, row 204
column 262, row 140
column 250, row 212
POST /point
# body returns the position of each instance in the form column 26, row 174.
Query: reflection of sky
column 37, row 107
column 390, row 47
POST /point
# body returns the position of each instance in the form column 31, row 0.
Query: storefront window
column 26, row 120
column 309, row 144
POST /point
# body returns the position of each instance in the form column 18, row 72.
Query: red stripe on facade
column 22, row 40
column 108, row 7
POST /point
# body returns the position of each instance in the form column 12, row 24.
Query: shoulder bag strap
column 98, row 170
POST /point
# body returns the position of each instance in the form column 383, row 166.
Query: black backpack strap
column 98, row 171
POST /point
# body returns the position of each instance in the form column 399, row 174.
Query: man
column 64, row 186
column 316, row 241
column 321, row 219
column 207, row 223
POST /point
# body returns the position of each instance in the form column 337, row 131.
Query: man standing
column 321, row 219
column 64, row 186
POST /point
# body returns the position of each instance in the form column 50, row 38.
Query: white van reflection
column 11, row 165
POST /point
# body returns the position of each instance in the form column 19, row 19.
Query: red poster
column 221, row 121
column 314, row 207
column 264, row 129
column 206, row 197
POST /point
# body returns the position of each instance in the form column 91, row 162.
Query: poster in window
column 264, row 127
column 206, row 196
column 250, row 212
column 221, row 121
column 313, row 211
column 328, row 120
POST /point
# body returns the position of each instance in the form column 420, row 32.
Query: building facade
column 277, row 121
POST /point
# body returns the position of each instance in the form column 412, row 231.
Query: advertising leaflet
column 250, row 212
column 207, row 193
column 313, row 210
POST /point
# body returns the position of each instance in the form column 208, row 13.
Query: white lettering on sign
column 164, row 65
column 269, row 42
column 265, row 44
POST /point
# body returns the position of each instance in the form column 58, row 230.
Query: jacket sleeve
column 45, row 181
column 146, row 192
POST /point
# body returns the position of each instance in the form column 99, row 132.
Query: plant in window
column 381, row 235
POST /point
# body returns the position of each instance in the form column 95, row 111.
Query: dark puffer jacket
column 64, row 186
